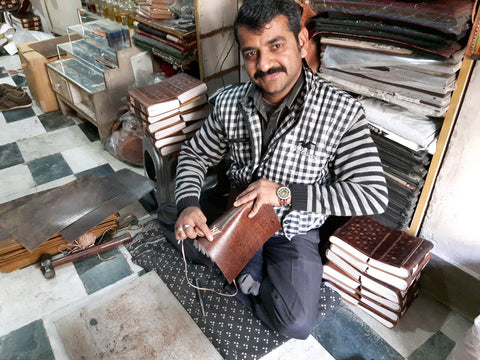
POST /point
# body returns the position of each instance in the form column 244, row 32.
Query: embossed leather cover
column 236, row 238
column 472, row 50
column 390, row 250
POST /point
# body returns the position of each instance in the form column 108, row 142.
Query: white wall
column 57, row 15
column 452, row 220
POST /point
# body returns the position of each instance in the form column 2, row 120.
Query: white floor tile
column 15, row 180
column 52, row 142
column 423, row 319
column 27, row 296
column 7, row 80
column 21, row 129
column 308, row 349
column 85, row 157
column 455, row 326
column 115, row 163
column 10, row 62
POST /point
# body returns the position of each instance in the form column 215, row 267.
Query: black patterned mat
column 234, row 331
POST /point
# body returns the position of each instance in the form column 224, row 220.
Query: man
column 295, row 143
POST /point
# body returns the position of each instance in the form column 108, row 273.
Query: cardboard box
column 34, row 56
column 34, row 67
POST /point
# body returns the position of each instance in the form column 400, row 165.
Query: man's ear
column 303, row 41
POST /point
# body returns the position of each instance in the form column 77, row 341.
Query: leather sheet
column 43, row 216
column 447, row 16
column 133, row 187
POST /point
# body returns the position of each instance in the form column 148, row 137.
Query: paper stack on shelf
column 376, row 268
column 171, row 110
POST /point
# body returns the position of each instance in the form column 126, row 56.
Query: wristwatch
column 284, row 194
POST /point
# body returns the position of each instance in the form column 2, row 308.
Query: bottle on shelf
column 106, row 8
column 98, row 7
column 122, row 13
column 115, row 10
column 132, row 9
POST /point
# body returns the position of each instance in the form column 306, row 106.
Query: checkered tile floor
column 40, row 151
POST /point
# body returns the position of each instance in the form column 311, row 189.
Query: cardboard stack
column 376, row 268
column 171, row 110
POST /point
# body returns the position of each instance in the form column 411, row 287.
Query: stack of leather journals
column 171, row 110
column 155, row 9
column 172, row 40
column 376, row 268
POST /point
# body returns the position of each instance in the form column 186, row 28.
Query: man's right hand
column 192, row 223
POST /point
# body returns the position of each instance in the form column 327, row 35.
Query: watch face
column 283, row 193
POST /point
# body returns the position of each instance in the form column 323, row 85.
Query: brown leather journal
column 236, row 238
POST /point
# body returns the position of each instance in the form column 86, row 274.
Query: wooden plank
column 442, row 144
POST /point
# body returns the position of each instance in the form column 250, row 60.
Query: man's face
column 272, row 57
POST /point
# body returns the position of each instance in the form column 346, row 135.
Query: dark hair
column 255, row 14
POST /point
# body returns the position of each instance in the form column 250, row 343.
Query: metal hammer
column 47, row 263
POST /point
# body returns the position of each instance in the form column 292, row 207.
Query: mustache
column 259, row 74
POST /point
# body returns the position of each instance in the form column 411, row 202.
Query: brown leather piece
column 43, row 216
column 237, row 238
column 133, row 187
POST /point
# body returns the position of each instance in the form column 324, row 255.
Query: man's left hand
column 261, row 192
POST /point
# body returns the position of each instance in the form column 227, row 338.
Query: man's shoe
column 4, row 88
column 14, row 99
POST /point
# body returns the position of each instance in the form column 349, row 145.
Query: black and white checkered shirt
column 322, row 150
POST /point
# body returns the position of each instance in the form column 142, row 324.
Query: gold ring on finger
column 179, row 230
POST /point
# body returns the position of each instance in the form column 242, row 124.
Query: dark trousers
column 290, row 292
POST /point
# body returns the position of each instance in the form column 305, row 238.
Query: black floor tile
column 10, row 155
column 436, row 348
column 345, row 336
column 30, row 342
column 18, row 114
column 90, row 131
column 2, row 75
column 102, row 171
column 55, row 120
column 19, row 80
column 96, row 273
column 149, row 203
column 49, row 168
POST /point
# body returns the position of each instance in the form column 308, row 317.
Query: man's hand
column 261, row 192
column 192, row 223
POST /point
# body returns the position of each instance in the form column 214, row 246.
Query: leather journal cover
column 236, row 238
column 472, row 51
column 392, row 251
